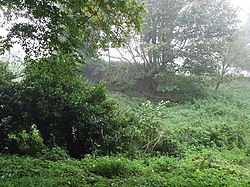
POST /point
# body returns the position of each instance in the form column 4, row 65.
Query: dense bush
column 54, row 154
column 28, row 142
column 182, row 87
column 208, row 123
column 66, row 110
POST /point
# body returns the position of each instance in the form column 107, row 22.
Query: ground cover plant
column 203, row 168
column 203, row 143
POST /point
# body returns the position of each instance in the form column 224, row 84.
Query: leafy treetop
column 67, row 26
column 187, row 36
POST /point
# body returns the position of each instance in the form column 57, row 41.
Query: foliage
column 66, row 110
column 157, row 34
column 69, row 27
column 236, row 55
column 240, row 48
column 150, row 118
column 206, row 38
column 8, row 102
column 219, row 121
column 203, row 168
column 183, row 87
column 190, row 37
column 215, row 121
column 124, row 136
column 209, row 123
column 185, row 36
column 211, row 138
column 54, row 154
column 6, row 75
column 130, row 78
column 29, row 143
column 27, row 171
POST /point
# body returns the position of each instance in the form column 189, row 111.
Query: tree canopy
column 187, row 36
column 72, row 27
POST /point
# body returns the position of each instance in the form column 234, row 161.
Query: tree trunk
column 218, row 85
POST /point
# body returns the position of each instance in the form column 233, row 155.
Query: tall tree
column 187, row 36
column 73, row 27
column 158, row 31
column 205, row 27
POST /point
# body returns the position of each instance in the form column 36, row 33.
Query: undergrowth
column 201, row 143
column 203, row 168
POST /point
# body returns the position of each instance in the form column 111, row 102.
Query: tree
column 158, row 32
column 186, row 36
column 241, row 48
column 67, row 26
column 235, row 56
column 205, row 27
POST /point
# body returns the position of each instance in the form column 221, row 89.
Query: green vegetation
column 200, row 143
column 65, row 26
column 166, row 123
column 203, row 168
column 131, row 79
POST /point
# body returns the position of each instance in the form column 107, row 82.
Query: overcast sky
column 244, row 7
column 242, row 3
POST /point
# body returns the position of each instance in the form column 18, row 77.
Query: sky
column 244, row 6
column 242, row 3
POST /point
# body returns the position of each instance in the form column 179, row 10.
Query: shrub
column 182, row 87
column 66, row 110
column 151, row 119
column 112, row 166
column 125, row 137
column 9, row 104
column 28, row 142
column 54, row 154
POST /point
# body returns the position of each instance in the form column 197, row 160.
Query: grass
column 204, row 143
column 221, row 120
column 204, row 168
